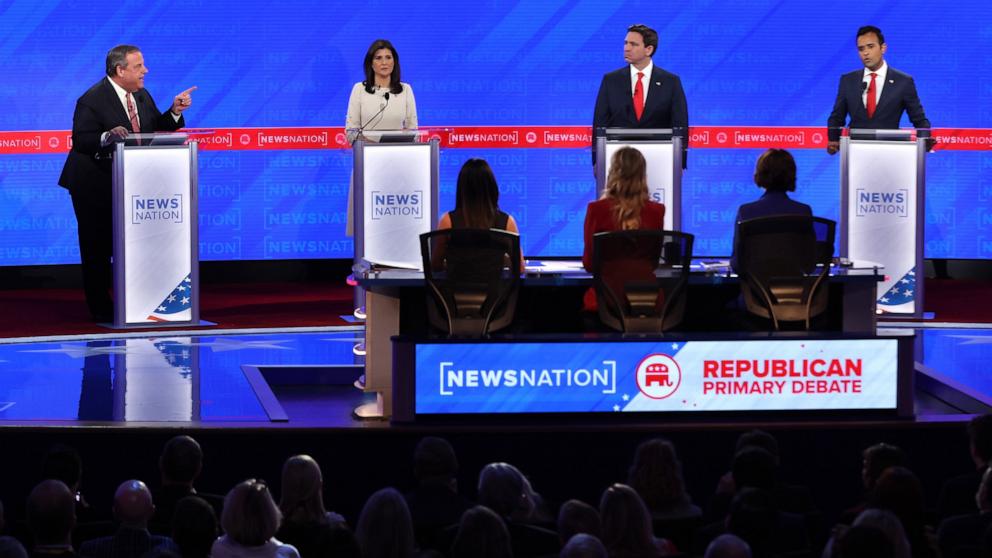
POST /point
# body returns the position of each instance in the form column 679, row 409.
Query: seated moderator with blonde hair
column 625, row 205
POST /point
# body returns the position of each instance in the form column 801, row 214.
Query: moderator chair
column 473, row 278
column 783, row 262
column 641, row 278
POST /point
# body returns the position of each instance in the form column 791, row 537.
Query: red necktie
column 870, row 101
column 133, row 116
column 639, row 96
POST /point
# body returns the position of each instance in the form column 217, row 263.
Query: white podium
column 882, row 182
column 156, row 259
column 662, row 151
column 395, row 182
column 395, row 190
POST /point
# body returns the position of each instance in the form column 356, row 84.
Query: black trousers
column 94, row 216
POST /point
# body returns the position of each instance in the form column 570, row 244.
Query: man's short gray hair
column 117, row 56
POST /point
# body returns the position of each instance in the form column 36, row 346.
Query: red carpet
column 33, row 312
column 959, row 300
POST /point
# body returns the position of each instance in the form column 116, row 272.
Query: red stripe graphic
column 479, row 137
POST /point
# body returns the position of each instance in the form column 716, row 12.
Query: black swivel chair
column 473, row 278
column 641, row 278
column 783, row 262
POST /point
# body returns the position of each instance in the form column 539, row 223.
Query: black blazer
column 898, row 95
column 97, row 111
column 665, row 106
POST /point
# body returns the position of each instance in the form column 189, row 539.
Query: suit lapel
column 888, row 90
column 858, row 92
column 654, row 93
column 114, row 104
column 623, row 85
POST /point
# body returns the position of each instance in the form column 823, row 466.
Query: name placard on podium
column 883, row 177
column 662, row 150
column 155, row 231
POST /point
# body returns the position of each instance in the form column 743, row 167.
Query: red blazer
column 601, row 217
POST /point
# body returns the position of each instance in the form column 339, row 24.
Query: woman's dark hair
column 776, row 171
column 395, row 87
column 477, row 195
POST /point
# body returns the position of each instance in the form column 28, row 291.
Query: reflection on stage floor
column 305, row 379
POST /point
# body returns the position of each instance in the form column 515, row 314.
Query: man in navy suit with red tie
column 641, row 95
column 114, row 107
column 876, row 96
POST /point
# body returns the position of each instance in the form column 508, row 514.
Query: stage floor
column 302, row 378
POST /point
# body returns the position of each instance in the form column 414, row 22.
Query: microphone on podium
column 369, row 121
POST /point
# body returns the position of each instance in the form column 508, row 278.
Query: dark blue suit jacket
column 88, row 166
column 770, row 203
column 898, row 95
column 665, row 106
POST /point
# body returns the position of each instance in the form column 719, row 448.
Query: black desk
column 388, row 289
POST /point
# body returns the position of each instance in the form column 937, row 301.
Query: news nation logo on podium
column 658, row 376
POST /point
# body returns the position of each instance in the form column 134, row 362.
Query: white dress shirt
column 879, row 83
column 645, row 81
column 122, row 96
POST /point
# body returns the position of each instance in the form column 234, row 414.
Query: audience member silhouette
column 965, row 531
column 9, row 546
column 576, row 517
column 435, row 503
column 728, row 546
column 627, row 525
column 250, row 521
column 384, row 528
column 656, row 475
column 63, row 463
column 583, row 545
column 755, row 517
column 863, row 542
column 756, row 463
column 506, row 491
column 899, row 491
column 133, row 508
column 179, row 467
column 957, row 496
column 51, row 515
column 302, row 505
column 194, row 527
column 885, row 522
column 481, row 534
column 875, row 460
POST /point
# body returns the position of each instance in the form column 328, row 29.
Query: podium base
column 369, row 411
column 158, row 325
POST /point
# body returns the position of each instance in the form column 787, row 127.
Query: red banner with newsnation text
column 486, row 137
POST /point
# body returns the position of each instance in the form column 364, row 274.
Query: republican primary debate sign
column 751, row 375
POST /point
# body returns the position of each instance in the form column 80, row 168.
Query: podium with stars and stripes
column 882, row 180
column 156, row 256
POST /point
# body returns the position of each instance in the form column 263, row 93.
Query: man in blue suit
column 114, row 107
column 641, row 95
column 875, row 96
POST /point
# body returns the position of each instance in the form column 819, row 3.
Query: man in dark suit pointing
column 114, row 107
column 876, row 96
column 641, row 95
